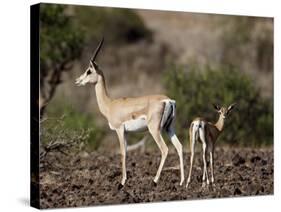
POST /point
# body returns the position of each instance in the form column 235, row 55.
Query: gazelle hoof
column 187, row 184
column 181, row 182
column 203, row 185
column 155, row 180
column 123, row 181
column 120, row 186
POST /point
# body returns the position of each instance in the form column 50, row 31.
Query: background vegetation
column 119, row 26
column 245, row 32
column 61, row 43
column 250, row 123
column 66, row 121
column 215, row 59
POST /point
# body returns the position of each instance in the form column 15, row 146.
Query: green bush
column 64, row 120
column 251, row 122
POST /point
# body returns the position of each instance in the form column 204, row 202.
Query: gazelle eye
column 89, row 72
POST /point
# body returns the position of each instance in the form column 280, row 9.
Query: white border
column 14, row 110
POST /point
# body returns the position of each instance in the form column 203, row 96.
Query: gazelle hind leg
column 192, row 138
column 212, row 167
column 174, row 139
column 123, row 144
column 204, row 147
column 162, row 146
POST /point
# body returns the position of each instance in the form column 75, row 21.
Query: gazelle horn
column 97, row 50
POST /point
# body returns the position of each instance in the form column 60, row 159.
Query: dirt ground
column 88, row 179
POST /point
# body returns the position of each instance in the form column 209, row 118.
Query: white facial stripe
column 89, row 76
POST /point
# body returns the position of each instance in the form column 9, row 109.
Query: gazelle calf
column 155, row 113
column 207, row 133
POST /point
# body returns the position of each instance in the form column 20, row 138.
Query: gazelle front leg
column 123, row 145
column 162, row 146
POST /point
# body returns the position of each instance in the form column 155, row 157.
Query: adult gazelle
column 155, row 113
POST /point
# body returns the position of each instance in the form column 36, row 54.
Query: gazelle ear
column 230, row 108
column 217, row 108
column 95, row 66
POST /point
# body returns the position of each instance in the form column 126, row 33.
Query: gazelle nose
column 78, row 81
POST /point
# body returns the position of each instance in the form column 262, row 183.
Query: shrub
column 65, row 121
column 251, row 123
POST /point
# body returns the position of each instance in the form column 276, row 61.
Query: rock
column 258, row 160
column 238, row 160
column 255, row 159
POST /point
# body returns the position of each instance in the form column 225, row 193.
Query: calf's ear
column 230, row 108
column 217, row 108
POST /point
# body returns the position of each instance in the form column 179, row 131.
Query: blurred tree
column 248, row 37
column 251, row 123
column 117, row 25
column 64, row 30
column 61, row 43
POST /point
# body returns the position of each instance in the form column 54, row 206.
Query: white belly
column 136, row 125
